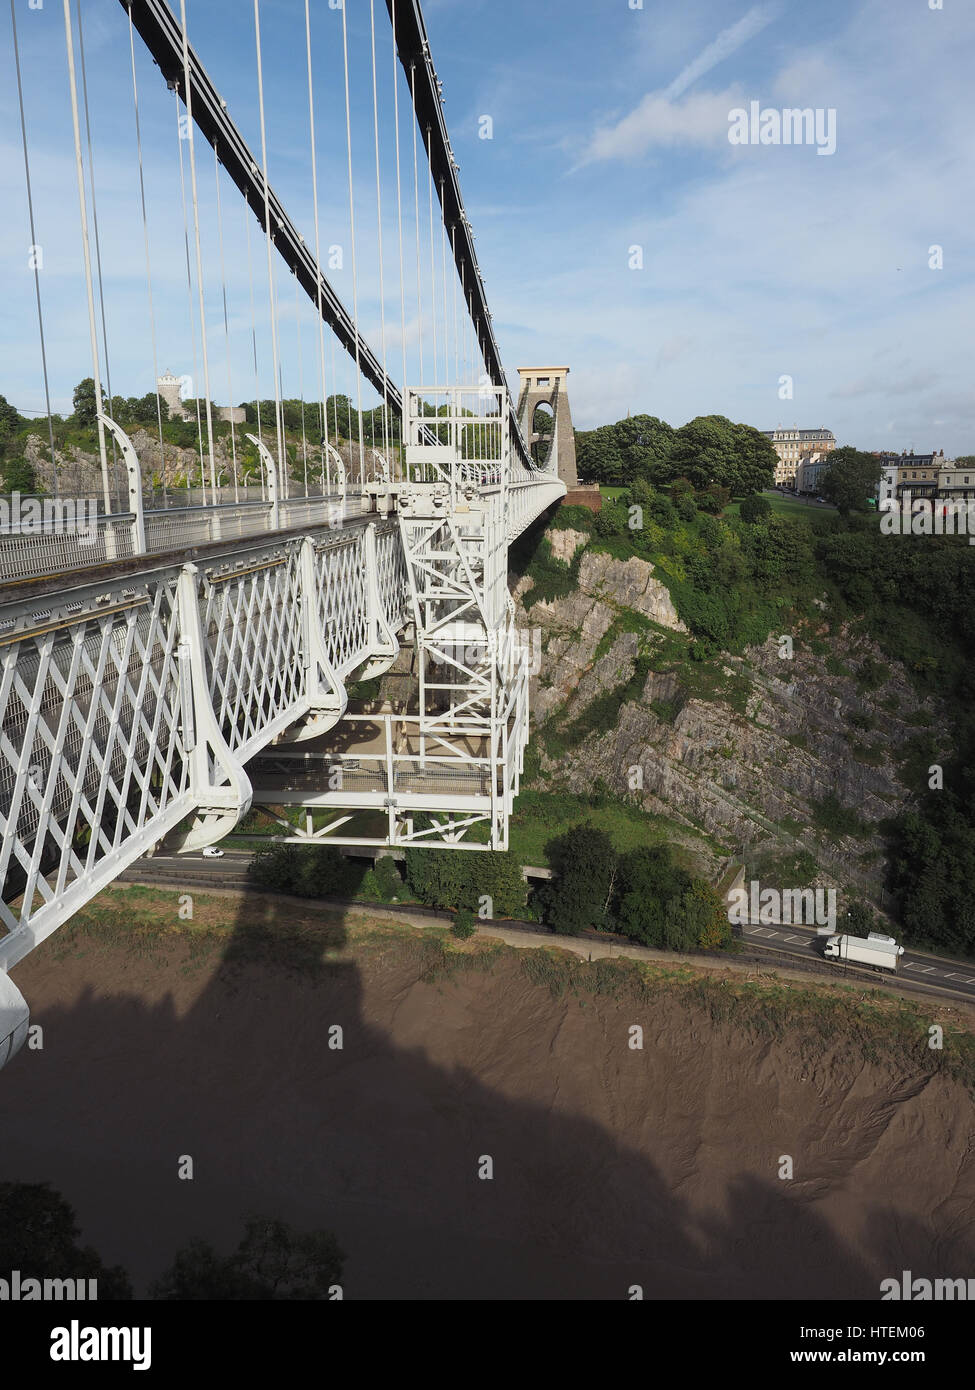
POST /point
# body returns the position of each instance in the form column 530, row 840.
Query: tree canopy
column 707, row 450
column 39, row 1236
column 851, row 479
column 272, row 1261
column 643, row 894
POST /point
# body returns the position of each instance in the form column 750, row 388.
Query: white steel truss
column 143, row 701
column 447, row 772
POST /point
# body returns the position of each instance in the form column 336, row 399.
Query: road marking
column 928, row 969
column 795, row 938
column 763, row 931
column 909, row 965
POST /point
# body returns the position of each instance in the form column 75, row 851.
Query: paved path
column 768, row 947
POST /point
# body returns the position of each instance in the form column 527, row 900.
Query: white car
column 211, row 852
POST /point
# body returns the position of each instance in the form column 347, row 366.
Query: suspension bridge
column 188, row 655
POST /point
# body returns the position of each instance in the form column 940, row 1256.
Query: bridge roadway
column 919, row 973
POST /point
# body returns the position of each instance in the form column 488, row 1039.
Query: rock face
column 745, row 749
column 565, row 543
column 79, row 472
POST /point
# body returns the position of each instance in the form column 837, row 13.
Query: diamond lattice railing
column 97, row 703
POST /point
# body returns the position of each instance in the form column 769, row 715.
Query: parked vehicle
column 212, row 852
column 876, row 950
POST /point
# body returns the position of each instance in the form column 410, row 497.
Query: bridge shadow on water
column 148, row 1057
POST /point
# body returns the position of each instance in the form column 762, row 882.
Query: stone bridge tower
column 546, row 386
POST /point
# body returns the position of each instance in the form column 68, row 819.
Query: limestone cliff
column 763, row 753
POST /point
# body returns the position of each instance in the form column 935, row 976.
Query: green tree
column 584, row 864
column 382, row 883
column 272, row 1261
column 713, row 499
column 598, row 457
column 19, row 476
column 444, row 878
column 39, row 1236
column 755, row 460
column 340, row 416
column 704, row 451
column 755, row 507
column 611, row 520
column 860, row 919
column 645, row 444
column 84, row 402
column 143, row 409
column 851, row 479
column 648, row 883
column 304, row 871
column 464, row 925
column 10, row 420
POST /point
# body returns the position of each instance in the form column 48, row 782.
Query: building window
column 542, row 381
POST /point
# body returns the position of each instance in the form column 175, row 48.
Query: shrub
column 754, row 508
column 464, row 925
column 382, row 883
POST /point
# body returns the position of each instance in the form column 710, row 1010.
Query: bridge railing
column 70, row 536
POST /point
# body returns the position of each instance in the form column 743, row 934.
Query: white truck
column 876, row 950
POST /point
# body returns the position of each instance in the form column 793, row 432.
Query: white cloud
column 701, row 119
column 727, row 43
column 660, row 119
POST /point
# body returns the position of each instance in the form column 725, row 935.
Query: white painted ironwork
column 160, row 703
column 130, row 706
column 271, row 477
column 450, row 769
column 133, row 476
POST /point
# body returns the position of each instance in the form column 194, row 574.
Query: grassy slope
column 785, row 506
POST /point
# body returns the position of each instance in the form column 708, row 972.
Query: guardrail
column 55, row 543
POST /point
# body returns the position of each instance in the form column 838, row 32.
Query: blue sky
column 610, row 131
